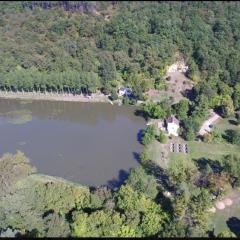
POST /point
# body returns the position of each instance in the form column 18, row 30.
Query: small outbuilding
column 172, row 124
column 124, row 91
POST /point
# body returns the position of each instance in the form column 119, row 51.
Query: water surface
column 89, row 143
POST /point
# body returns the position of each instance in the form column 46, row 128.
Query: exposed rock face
column 178, row 66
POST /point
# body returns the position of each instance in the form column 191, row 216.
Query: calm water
column 93, row 144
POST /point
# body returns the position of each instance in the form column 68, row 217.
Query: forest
column 84, row 47
column 90, row 46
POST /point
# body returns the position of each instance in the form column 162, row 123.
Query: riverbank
column 95, row 97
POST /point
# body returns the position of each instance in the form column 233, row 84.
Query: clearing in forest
column 176, row 84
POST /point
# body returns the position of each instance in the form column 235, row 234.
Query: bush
column 114, row 95
column 149, row 135
column 162, row 137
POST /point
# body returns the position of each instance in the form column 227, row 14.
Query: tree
column 149, row 134
column 56, row 226
column 231, row 165
column 13, row 168
column 162, row 137
column 226, row 234
column 181, row 109
column 153, row 218
column 182, row 171
column 233, row 136
column 142, row 182
column 227, row 108
column 114, row 95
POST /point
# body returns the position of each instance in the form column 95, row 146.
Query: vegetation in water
column 18, row 116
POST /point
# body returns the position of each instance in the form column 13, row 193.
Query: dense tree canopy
column 85, row 46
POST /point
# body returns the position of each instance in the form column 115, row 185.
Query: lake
column 89, row 143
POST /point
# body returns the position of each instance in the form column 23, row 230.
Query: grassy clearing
column 155, row 150
column 223, row 219
column 211, row 151
column 227, row 124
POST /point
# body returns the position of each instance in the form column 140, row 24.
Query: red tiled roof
column 172, row 119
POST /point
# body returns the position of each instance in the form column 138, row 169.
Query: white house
column 172, row 125
column 124, row 91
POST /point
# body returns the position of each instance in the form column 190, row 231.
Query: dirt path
column 96, row 97
column 205, row 127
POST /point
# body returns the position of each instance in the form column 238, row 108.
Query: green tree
column 181, row 109
column 162, row 137
column 149, row 134
column 226, row 234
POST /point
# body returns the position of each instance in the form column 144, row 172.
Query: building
column 172, row 124
column 123, row 91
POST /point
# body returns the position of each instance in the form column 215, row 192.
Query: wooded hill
column 86, row 46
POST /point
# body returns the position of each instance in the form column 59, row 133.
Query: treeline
column 132, row 47
column 82, row 7
column 151, row 203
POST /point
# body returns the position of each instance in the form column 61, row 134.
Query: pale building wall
column 173, row 129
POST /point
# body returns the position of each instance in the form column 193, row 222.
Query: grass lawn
column 227, row 124
column 211, row 151
column 228, row 218
column 155, row 150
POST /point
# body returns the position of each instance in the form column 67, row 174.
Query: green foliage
column 114, row 95
column 142, row 182
column 231, row 165
column 226, row 234
column 183, row 170
column 162, row 137
column 152, row 215
column 13, row 168
column 159, row 110
column 213, row 137
column 97, row 224
column 233, row 136
column 181, row 109
column 149, row 134
column 190, row 128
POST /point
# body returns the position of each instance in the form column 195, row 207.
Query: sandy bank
column 96, row 97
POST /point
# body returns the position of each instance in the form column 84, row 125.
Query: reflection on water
column 84, row 142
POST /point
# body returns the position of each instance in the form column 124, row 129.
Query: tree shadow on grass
column 228, row 135
column 233, row 122
column 160, row 175
column 234, row 225
column 190, row 94
column 203, row 162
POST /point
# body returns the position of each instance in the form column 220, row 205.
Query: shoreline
column 95, row 98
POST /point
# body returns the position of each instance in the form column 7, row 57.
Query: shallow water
column 89, row 143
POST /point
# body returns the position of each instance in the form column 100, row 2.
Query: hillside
column 85, row 46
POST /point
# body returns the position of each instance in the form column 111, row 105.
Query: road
column 205, row 127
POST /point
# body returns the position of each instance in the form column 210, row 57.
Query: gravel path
column 205, row 127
